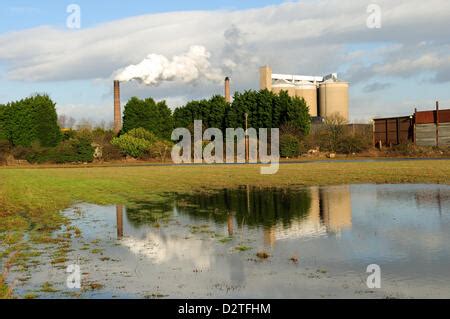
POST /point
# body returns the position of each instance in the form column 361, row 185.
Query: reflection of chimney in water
column 119, row 216
column 270, row 236
column 230, row 225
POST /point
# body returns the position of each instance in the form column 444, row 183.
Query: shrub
column 21, row 152
column 351, row 144
column 85, row 134
column 111, row 152
column 289, row 145
column 84, row 151
column 161, row 149
column 334, row 130
column 132, row 146
column 143, row 134
column 68, row 134
column 71, row 151
column 5, row 150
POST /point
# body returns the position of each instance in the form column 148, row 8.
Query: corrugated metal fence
column 393, row 131
column 432, row 128
column 424, row 128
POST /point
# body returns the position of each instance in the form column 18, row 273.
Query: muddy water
column 318, row 242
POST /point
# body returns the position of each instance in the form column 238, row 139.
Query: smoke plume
column 187, row 68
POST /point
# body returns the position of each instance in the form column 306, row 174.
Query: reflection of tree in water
column 147, row 213
column 251, row 205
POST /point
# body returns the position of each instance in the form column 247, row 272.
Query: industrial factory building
column 324, row 95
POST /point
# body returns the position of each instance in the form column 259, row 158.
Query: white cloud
column 309, row 37
column 272, row 33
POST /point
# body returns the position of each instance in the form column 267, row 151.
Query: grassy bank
column 30, row 199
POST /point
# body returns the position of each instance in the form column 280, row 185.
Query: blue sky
column 18, row 15
column 391, row 70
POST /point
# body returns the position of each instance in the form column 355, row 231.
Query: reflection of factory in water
column 330, row 212
column 284, row 214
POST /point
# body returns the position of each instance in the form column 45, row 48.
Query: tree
column 3, row 125
column 298, row 114
column 137, row 113
column 335, row 128
column 45, row 119
column 154, row 117
column 264, row 109
column 30, row 120
column 65, row 121
column 164, row 125
column 217, row 108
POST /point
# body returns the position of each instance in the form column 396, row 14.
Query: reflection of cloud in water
column 163, row 249
column 298, row 229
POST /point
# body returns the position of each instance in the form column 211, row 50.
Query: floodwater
column 252, row 242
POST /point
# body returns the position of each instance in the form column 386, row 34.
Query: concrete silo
column 278, row 87
column 333, row 98
column 308, row 91
column 324, row 95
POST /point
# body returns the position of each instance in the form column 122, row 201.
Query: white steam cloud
column 187, row 68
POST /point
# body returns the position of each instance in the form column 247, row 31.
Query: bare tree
column 65, row 121
column 335, row 128
column 85, row 124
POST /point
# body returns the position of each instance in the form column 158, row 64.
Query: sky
column 403, row 64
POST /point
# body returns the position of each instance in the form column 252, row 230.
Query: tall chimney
column 117, row 111
column 265, row 78
column 227, row 90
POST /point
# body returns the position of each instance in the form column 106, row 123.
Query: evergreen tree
column 298, row 115
column 30, row 120
column 165, row 126
column 137, row 113
column 48, row 132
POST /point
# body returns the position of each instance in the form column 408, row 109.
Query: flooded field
column 258, row 243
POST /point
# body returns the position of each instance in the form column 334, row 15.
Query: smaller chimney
column 117, row 110
column 227, row 90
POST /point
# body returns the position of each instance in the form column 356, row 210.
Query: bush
column 351, row 144
column 5, row 150
column 289, row 145
column 161, row 150
column 143, row 134
column 132, row 146
column 71, row 151
column 111, row 152
column 68, row 134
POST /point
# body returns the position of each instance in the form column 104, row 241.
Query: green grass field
column 31, row 199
